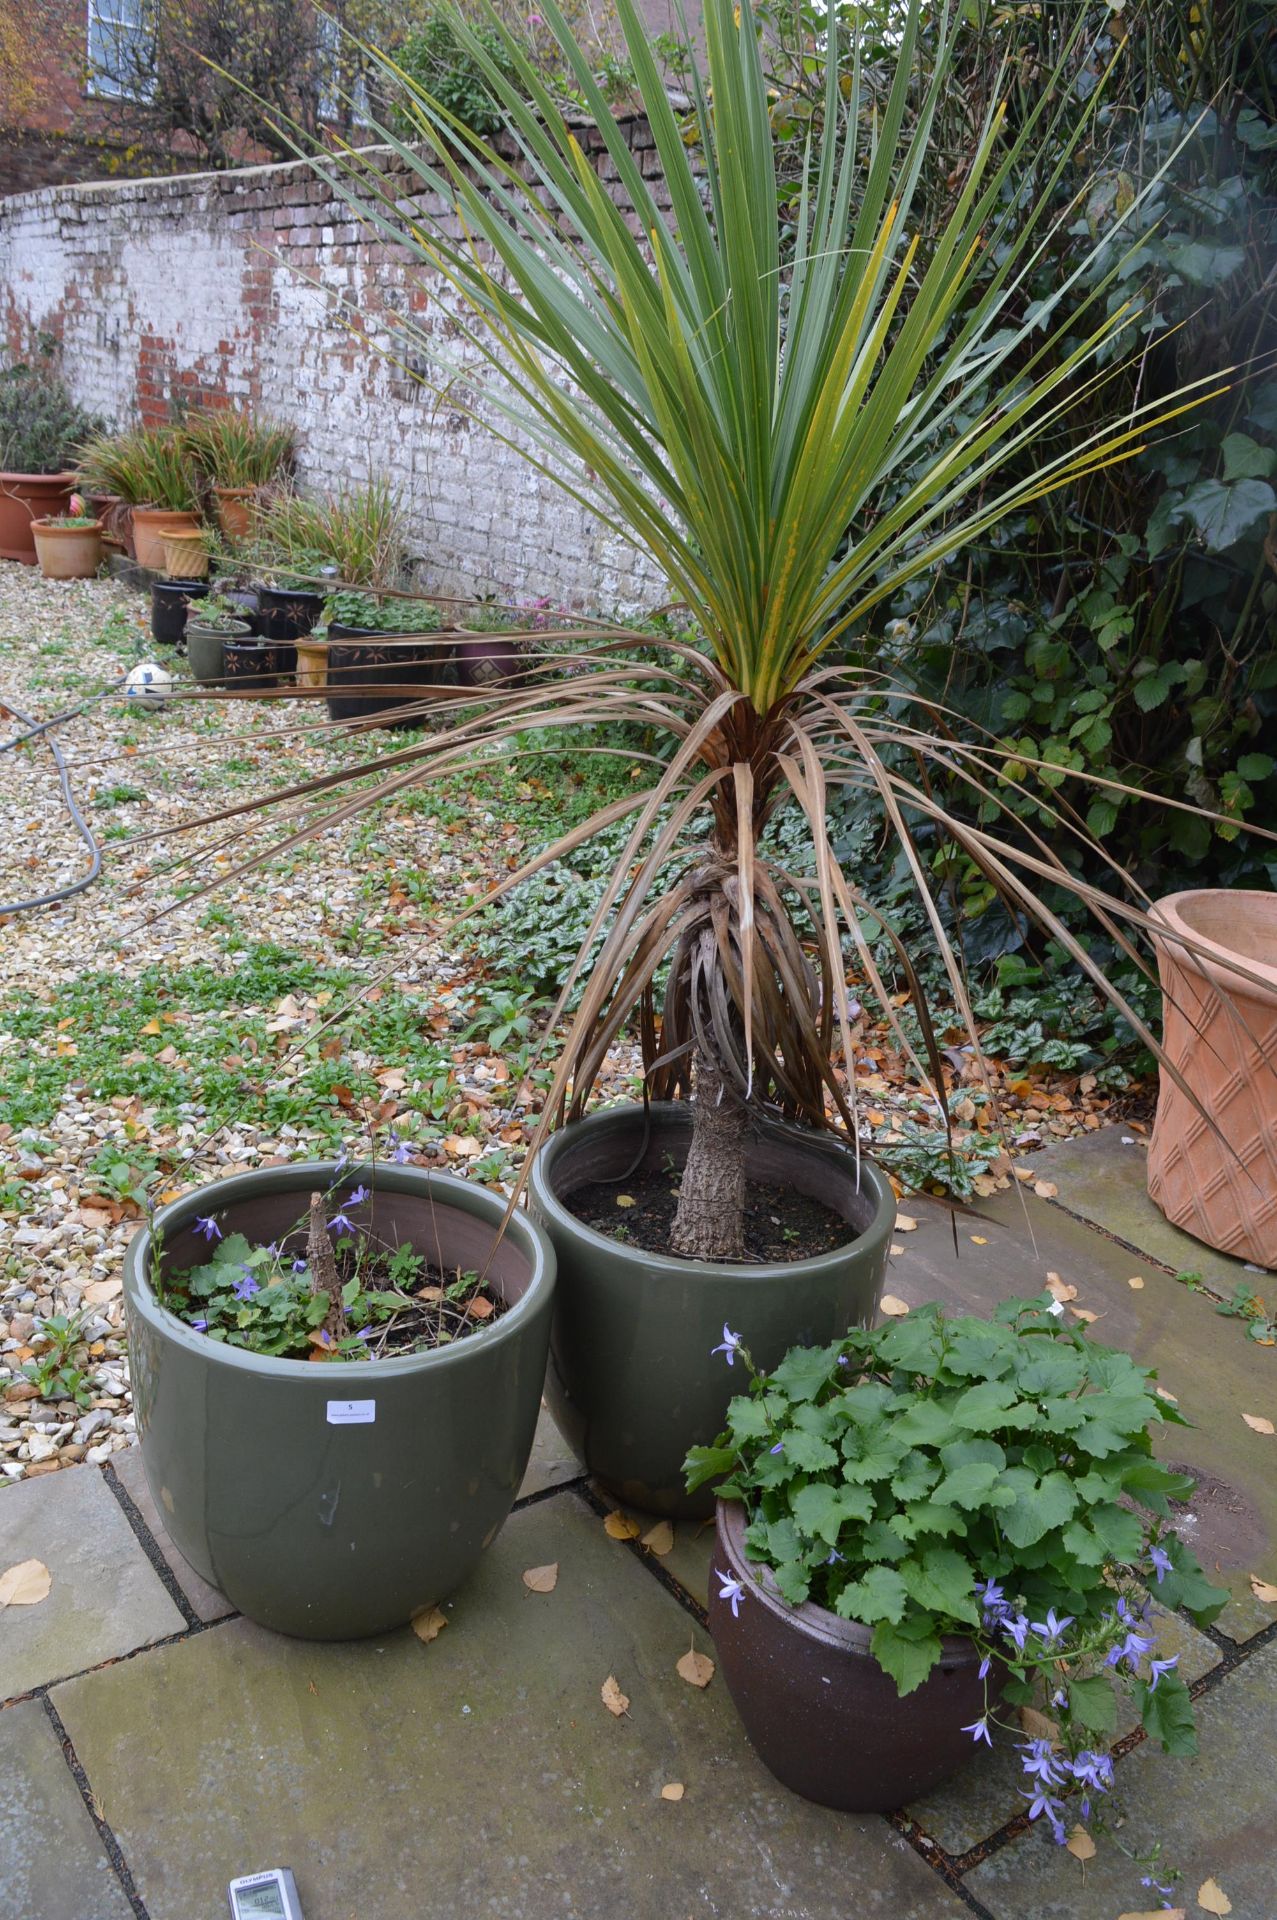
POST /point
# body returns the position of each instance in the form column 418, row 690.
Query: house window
column 121, row 49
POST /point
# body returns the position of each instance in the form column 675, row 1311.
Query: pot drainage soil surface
column 780, row 1225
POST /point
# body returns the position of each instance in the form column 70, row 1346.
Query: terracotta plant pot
column 25, row 498
column 633, row 1380
column 1220, row 1031
column 312, row 663
column 235, row 510
column 186, row 556
column 310, row 1521
column 818, row 1709
column 150, row 524
column 68, row 553
column 170, row 604
column 206, row 646
column 116, row 522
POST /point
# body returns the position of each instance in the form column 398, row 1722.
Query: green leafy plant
column 394, row 614
column 40, row 424
column 794, row 427
column 70, row 521
column 436, row 62
column 55, row 1371
column 354, row 536
column 235, row 450
column 147, row 467
column 990, row 1478
column 216, row 611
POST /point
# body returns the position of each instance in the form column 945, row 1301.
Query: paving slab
column 53, row 1865
column 106, row 1598
column 552, row 1462
column 1005, row 1247
column 204, row 1600
column 979, row 1801
column 479, row 1774
column 1103, row 1177
column 1215, row 1817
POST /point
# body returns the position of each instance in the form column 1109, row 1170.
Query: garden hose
column 33, row 730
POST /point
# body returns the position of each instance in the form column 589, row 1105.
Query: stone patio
column 153, row 1744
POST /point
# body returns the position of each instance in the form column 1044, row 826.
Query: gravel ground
column 337, row 903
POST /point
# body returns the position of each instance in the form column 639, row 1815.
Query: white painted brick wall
column 237, row 283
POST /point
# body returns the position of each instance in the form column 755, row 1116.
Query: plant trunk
column 710, row 1222
column 324, row 1277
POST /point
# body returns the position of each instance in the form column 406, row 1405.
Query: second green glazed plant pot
column 633, row 1379
column 337, row 1499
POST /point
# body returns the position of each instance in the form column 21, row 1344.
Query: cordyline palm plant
column 791, row 437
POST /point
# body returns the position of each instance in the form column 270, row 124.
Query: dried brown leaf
column 613, row 1699
column 1080, row 1844
column 429, row 1624
column 541, row 1579
column 1257, row 1423
column 696, row 1668
column 25, row 1584
column 1211, row 1898
column 1083, row 1313
column 905, row 1223
column 1059, row 1289
column 895, row 1308
column 1045, row 1189
column 1263, row 1590
column 1159, row 1913
column 1135, row 1282
column 1037, row 1725
column 674, row 1790
column 660, row 1538
column 622, row 1526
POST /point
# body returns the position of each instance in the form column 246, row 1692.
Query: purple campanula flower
column 985, row 1664
column 979, row 1730
column 1157, row 1668
column 1131, row 1650
column 1093, row 1770
column 200, row 1326
column 1051, row 1630
column 991, row 1597
column 1041, row 1762
column 731, row 1590
column 402, row 1153
column 730, row 1344
column 1042, row 1805
column 358, row 1197
column 1161, row 1560
column 299, row 1265
column 1016, row 1627
column 778, row 1448
column 208, row 1227
column 835, row 1558
column 339, row 1224
column 245, row 1289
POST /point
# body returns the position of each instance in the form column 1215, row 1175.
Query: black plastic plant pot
column 819, row 1710
column 404, row 667
column 633, row 1379
column 285, row 612
column 334, row 1500
column 170, row 603
column 260, row 663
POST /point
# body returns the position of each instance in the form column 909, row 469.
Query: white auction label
column 351, row 1413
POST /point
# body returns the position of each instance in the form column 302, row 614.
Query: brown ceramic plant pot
column 68, row 553
column 819, row 1711
column 235, row 510
column 186, row 555
column 25, row 498
column 1220, row 1032
column 150, row 524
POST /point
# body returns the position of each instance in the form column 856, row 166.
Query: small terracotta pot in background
column 312, row 662
column 235, row 507
column 1220, row 1032
column 150, row 524
column 820, row 1712
column 68, row 553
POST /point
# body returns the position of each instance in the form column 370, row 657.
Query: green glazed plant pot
column 633, row 1379
column 313, row 1519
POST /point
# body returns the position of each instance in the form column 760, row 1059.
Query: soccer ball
column 150, row 685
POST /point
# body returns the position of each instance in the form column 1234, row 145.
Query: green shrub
column 436, row 61
column 40, row 424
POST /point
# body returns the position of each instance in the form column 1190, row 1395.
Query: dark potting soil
column 780, row 1225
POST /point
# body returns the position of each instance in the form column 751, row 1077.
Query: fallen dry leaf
column 1164, row 1393
column 1135, row 1282
column 429, row 1624
column 905, row 1223
column 480, row 1308
column 1159, row 1913
column 541, row 1579
column 890, row 1305
column 896, row 1247
column 978, row 1240
column 625, row 1200
column 1059, row 1289
column 1080, row 1844
column 660, row 1538
column 98, row 1292
column 462, row 1146
column 1083, row 1313
column 1045, row 1189
column 1263, row 1590
column 613, row 1699
column 1037, row 1725
column 1257, row 1423
column 1211, row 1898
column 696, row 1668
column 621, row 1526
column 25, row 1584
column 674, row 1791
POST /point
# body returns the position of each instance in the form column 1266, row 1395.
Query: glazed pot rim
column 60, row 474
column 308, row 1174
column 45, row 525
column 814, row 1622
column 738, row 1271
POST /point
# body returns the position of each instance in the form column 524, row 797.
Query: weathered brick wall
column 244, row 284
